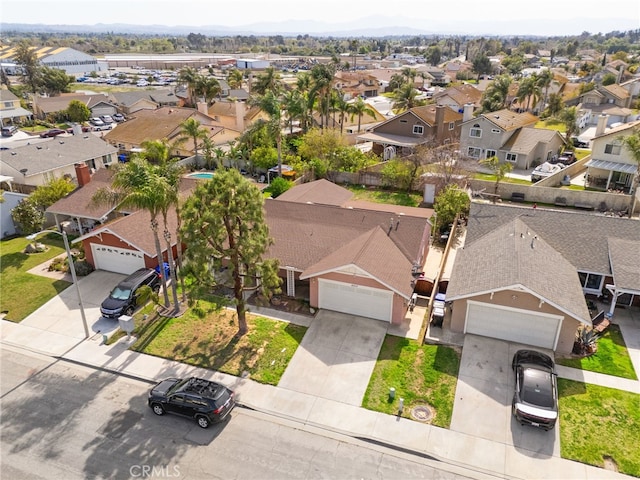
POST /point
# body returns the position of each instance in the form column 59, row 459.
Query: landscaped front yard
column 423, row 375
column 598, row 425
column 205, row 337
column 22, row 293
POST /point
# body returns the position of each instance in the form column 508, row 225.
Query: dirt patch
column 609, row 463
column 282, row 303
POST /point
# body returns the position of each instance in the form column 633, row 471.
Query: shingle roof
column 427, row 114
column 508, row 120
column 461, row 94
column 625, row 263
column 61, row 102
column 321, row 191
column 617, row 91
column 58, row 152
column 78, row 202
column 580, row 237
column 7, row 95
column 513, row 256
column 525, row 140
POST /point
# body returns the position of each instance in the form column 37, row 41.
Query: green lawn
column 386, row 196
column 421, row 374
column 598, row 422
column 490, row 177
column 205, row 337
column 22, row 293
column 612, row 357
column 551, row 125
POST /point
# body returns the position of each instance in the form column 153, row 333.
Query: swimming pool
column 205, row 175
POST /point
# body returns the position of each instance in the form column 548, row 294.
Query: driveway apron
column 482, row 406
column 336, row 357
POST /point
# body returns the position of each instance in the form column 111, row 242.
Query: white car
column 545, row 170
column 142, row 83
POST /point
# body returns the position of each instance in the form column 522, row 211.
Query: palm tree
column 405, row 98
column 528, row 89
column 544, row 80
column 568, row 117
column 189, row 76
column 497, row 94
column 322, row 75
column 499, row 169
column 191, row 129
column 271, row 104
column 632, row 143
column 344, row 108
column 359, row 108
column 292, row 102
column 410, row 74
column 132, row 187
column 269, row 81
column 234, row 78
column 208, row 87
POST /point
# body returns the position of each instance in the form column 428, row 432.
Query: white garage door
column 512, row 324
column 114, row 259
column 357, row 300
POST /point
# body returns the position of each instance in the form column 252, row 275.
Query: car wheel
column 203, row 421
column 157, row 409
column 129, row 311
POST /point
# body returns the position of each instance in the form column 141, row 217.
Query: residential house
column 131, row 102
column 47, row 108
column 511, row 137
column 11, row 113
column 523, row 273
column 235, row 115
column 164, row 124
column 458, row 96
column 401, row 134
column 612, row 166
column 356, row 84
column 341, row 256
column 612, row 100
column 37, row 163
column 439, row 76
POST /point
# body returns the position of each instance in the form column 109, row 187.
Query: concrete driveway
column 336, row 357
column 59, row 322
column 482, row 406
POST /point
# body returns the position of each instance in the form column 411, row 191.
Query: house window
column 512, row 157
column 452, row 125
column 612, row 149
column 495, row 130
column 475, row 131
column 590, row 281
column 418, row 129
column 490, row 153
column 474, row 152
column 106, row 160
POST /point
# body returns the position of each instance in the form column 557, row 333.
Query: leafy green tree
column 433, row 55
column 54, row 81
column 46, row 195
column 264, row 157
column 568, row 116
column 482, row 65
column 450, row 202
column 28, row 217
column 272, row 105
column 25, row 56
column 78, row 111
column 632, row 143
column 396, row 173
column 224, row 225
column 608, row 79
column 498, row 168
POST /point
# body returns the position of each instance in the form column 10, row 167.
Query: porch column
column 609, row 179
column 80, row 231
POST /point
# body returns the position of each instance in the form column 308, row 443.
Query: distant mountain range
column 374, row 26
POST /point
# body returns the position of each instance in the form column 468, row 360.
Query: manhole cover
column 422, row 413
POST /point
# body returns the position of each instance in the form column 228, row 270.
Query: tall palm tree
column 544, row 81
column 568, row 117
column 208, row 87
column 191, row 129
column 293, row 104
column 497, row 94
column 132, row 187
column 322, row 75
column 410, row 74
column 344, row 108
column 271, row 104
column 632, row 143
column 359, row 108
column 269, row 80
column 405, row 98
column 188, row 76
column 528, row 90
column 234, row 78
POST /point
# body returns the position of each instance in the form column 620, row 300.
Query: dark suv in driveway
column 124, row 298
column 206, row 401
column 535, row 401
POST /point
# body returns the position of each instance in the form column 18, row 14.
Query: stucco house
column 523, row 273
column 130, row 102
column 37, row 163
column 356, row 84
column 511, row 137
column 49, row 107
column 457, row 97
column 400, row 135
column 340, row 255
column 11, row 113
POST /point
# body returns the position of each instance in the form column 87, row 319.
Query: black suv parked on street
column 123, row 299
column 208, row 402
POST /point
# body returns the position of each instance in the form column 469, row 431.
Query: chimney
column 440, row 123
column 602, row 124
column 467, row 112
column 83, row 174
column 620, row 74
column 202, row 108
column 240, row 112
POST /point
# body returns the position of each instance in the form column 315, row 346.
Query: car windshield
column 537, row 388
column 120, row 293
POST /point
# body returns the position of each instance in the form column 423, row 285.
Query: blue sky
column 489, row 15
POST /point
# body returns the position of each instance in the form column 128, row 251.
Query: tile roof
column 580, row 237
column 525, row 140
column 625, row 264
column 514, row 256
column 58, row 152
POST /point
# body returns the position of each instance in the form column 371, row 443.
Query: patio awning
column 612, row 166
column 15, row 113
